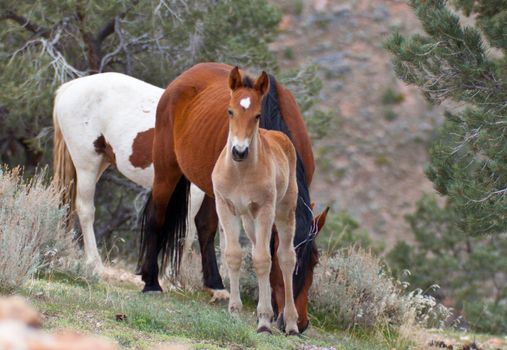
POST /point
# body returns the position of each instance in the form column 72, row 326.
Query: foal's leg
column 206, row 221
column 285, row 224
column 261, row 257
column 195, row 201
column 231, row 225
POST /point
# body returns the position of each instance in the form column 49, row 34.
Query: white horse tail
column 64, row 172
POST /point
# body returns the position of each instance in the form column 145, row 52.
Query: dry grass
column 357, row 292
column 32, row 234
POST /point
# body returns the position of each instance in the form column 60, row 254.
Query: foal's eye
column 230, row 112
column 258, row 116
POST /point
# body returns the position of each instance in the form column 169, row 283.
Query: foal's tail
column 64, row 172
column 170, row 234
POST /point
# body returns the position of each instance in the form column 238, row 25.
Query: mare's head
column 244, row 111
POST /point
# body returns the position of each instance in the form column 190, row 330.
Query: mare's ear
column 235, row 79
column 262, row 83
column 321, row 219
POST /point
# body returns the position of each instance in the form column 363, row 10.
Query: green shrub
column 32, row 234
column 341, row 231
column 306, row 85
column 486, row 317
column 390, row 115
column 471, row 271
column 392, row 97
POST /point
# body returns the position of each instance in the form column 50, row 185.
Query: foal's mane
column 272, row 119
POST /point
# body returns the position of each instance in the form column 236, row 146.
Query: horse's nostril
column 239, row 155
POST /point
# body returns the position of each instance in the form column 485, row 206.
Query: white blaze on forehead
column 245, row 102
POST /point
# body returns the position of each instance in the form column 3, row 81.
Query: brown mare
column 190, row 132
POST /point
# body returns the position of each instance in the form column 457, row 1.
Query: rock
column 338, row 15
column 17, row 309
column 333, row 65
column 14, row 334
column 380, row 13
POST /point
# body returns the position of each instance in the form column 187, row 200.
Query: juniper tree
column 467, row 65
column 45, row 43
column 462, row 244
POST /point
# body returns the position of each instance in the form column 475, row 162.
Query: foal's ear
column 262, row 83
column 235, row 79
column 321, row 219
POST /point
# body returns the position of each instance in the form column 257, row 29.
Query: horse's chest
column 245, row 197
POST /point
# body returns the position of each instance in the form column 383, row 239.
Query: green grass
column 185, row 318
column 169, row 317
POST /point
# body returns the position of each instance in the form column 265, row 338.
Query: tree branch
column 25, row 23
column 107, row 30
column 109, row 27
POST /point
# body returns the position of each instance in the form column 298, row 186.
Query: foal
column 254, row 182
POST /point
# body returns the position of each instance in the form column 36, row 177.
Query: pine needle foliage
column 467, row 65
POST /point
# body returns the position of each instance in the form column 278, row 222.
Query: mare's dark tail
column 171, row 234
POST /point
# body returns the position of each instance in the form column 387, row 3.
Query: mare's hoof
column 152, row 289
column 292, row 333
column 264, row 329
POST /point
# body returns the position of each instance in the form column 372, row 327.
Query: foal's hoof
column 280, row 322
column 264, row 329
column 235, row 308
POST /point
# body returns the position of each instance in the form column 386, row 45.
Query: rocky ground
column 374, row 156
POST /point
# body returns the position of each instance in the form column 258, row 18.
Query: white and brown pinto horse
column 254, row 182
column 107, row 120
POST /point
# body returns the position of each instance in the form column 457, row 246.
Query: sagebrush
column 32, row 230
column 352, row 288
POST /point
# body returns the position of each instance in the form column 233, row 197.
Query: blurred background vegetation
column 456, row 238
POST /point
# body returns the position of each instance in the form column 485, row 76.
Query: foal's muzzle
column 239, row 156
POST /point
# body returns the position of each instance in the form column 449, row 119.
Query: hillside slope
column 371, row 163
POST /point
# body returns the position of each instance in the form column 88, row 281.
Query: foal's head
column 244, row 111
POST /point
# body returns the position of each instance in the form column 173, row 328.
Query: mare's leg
column 87, row 176
column 167, row 175
column 261, row 258
column 206, row 221
column 231, row 225
column 285, row 224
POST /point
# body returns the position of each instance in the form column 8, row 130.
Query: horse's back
column 193, row 111
column 197, row 128
column 113, row 109
column 279, row 143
